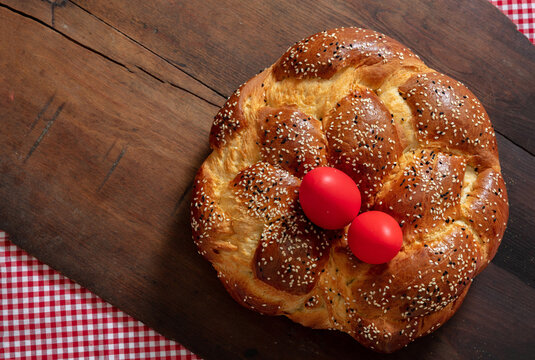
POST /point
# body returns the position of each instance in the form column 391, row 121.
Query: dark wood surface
column 105, row 108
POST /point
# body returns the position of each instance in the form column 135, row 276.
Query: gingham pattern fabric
column 44, row 315
column 522, row 13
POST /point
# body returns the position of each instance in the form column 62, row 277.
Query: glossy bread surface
column 419, row 145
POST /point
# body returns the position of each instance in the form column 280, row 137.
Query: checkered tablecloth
column 44, row 315
column 522, row 13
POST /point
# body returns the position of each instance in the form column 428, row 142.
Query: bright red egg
column 375, row 237
column 329, row 198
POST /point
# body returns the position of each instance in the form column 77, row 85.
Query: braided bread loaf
column 420, row 147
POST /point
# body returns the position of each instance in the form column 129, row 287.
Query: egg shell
column 329, row 198
column 375, row 237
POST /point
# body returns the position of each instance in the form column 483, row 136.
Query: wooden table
column 105, row 108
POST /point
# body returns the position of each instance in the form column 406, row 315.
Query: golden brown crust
column 208, row 221
column 323, row 54
column 291, row 254
column 418, row 143
column 487, row 210
column 230, row 119
column 363, row 140
column 425, row 192
column 291, row 139
column 447, row 115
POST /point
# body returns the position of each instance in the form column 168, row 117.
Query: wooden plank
column 96, row 160
column 222, row 43
column 517, row 253
column 91, row 153
column 72, row 21
column 497, row 320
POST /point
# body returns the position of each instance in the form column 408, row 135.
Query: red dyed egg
column 375, row 237
column 329, row 198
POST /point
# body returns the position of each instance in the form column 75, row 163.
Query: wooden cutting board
column 105, row 109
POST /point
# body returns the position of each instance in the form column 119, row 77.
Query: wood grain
column 468, row 40
column 106, row 108
column 112, row 44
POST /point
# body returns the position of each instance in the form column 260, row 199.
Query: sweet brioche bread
column 420, row 147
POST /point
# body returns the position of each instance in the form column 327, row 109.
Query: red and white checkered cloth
column 522, row 13
column 44, row 315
